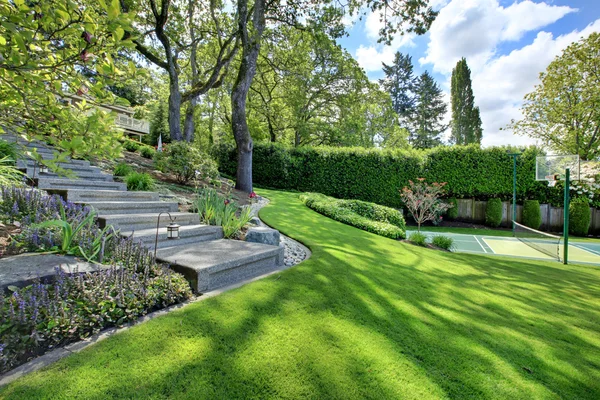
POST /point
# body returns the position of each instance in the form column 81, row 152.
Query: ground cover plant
column 370, row 217
column 364, row 317
column 45, row 315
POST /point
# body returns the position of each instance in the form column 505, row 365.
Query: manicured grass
column 365, row 317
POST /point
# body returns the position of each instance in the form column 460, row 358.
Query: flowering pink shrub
column 423, row 200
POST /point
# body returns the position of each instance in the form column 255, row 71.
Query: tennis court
column 579, row 252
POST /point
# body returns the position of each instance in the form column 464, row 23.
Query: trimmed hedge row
column 381, row 220
column 377, row 175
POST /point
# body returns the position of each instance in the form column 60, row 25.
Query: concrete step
column 62, row 183
column 84, row 196
column 43, row 149
column 131, row 207
column 88, row 176
column 137, row 222
column 219, row 263
column 30, row 164
column 188, row 234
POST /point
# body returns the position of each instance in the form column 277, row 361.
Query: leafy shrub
column 8, row 152
column 147, row 151
column 185, row 162
column 122, row 169
column 493, row 212
column 579, row 217
column 139, row 181
column 131, row 145
column 418, row 238
column 452, row 212
column 9, row 174
column 341, row 211
column 375, row 212
column 376, row 175
column 214, row 209
column 532, row 215
column 443, row 242
column 423, row 200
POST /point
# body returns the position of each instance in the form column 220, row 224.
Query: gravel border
column 295, row 252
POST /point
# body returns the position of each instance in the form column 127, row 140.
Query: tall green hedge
column 377, row 175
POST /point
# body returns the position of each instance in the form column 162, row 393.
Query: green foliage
column 344, row 211
column 579, row 217
column 375, row 212
column 376, row 175
column 139, row 181
column 564, row 110
column 122, row 169
column 159, row 125
column 452, row 212
column 532, row 215
column 493, row 212
column 443, row 242
column 131, row 145
column 427, row 120
column 8, row 152
column 418, row 238
column 147, row 152
column 466, row 121
column 9, row 175
column 214, row 209
column 44, row 47
column 185, row 162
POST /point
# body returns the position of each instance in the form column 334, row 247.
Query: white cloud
column 473, row 29
column 371, row 57
column 500, row 85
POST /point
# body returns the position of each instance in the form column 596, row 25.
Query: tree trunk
column 174, row 109
column 271, row 130
column 188, row 125
column 239, row 93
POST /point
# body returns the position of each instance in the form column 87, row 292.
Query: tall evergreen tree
column 466, row 121
column 399, row 82
column 430, row 109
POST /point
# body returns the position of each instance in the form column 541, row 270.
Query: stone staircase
column 201, row 254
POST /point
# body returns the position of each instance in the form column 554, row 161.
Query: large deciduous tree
column 170, row 34
column 564, row 110
column 430, row 109
column 466, row 121
column 400, row 16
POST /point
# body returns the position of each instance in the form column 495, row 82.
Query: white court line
column 479, row 243
column 585, row 249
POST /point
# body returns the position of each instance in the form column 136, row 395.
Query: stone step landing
column 220, row 263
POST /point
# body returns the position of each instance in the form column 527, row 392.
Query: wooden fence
column 552, row 217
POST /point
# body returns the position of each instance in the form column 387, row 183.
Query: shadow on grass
column 365, row 317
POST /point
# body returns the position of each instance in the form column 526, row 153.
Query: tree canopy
column 563, row 111
column 466, row 120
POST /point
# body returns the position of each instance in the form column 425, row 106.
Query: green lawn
column 365, row 317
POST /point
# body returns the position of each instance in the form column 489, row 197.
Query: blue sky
column 507, row 44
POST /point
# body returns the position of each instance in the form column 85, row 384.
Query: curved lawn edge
column 365, row 317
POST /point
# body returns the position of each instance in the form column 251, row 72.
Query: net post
column 566, row 217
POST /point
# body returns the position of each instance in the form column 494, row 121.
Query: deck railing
column 132, row 124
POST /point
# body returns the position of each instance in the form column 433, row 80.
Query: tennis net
column 540, row 241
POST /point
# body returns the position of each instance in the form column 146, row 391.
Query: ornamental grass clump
column 217, row 210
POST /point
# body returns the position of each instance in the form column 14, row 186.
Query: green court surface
column 579, row 252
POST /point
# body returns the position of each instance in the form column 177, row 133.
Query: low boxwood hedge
column 370, row 217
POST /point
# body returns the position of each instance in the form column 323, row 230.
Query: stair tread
column 183, row 229
column 217, row 254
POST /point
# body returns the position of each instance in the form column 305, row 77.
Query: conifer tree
column 430, row 109
column 466, row 120
column 400, row 82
